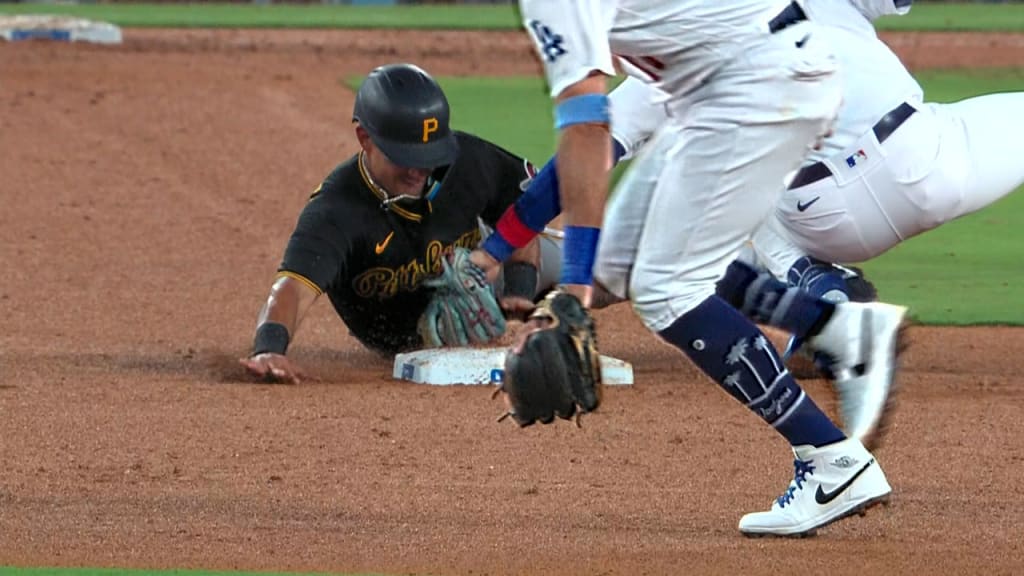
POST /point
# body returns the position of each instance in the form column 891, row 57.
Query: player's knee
column 660, row 302
column 733, row 285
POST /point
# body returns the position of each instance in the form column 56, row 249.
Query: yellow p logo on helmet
column 429, row 126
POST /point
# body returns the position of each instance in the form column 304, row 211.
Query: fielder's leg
column 858, row 343
column 772, row 248
column 709, row 183
column 945, row 161
column 993, row 163
column 665, row 248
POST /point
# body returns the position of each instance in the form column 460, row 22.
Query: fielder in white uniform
column 750, row 85
column 858, row 197
column 895, row 166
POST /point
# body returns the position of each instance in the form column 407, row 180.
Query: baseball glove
column 463, row 309
column 556, row 369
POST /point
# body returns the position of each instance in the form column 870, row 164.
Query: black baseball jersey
column 370, row 256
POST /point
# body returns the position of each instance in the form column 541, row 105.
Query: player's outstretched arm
column 288, row 302
column 638, row 113
column 538, row 206
column 543, row 199
column 581, row 114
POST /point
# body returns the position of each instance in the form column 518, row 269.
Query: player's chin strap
column 387, row 202
column 419, row 203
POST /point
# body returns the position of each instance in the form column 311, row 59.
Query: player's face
column 397, row 180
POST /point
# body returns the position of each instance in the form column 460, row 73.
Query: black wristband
column 520, row 279
column 271, row 337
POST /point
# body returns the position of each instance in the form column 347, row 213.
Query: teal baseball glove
column 463, row 309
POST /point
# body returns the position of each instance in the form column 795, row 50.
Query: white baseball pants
column 713, row 172
column 945, row 161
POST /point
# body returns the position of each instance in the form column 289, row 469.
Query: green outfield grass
column 1003, row 17
column 959, row 17
column 211, row 15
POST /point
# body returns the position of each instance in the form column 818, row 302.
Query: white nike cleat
column 829, row 484
column 862, row 343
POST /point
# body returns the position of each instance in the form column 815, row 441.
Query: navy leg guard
column 819, row 279
column 766, row 300
column 831, row 283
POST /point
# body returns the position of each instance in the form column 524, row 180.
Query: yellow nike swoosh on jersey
column 382, row 245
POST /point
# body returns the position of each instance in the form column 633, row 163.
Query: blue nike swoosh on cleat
column 801, row 206
column 800, row 43
column 822, row 497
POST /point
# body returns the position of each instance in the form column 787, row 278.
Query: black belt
column 790, row 15
column 882, row 129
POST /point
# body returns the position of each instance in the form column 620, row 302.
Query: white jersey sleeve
column 638, row 110
column 571, row 37
column 873, row 9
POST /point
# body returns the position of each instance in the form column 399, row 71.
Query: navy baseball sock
column 766, row 300
column 733, row 352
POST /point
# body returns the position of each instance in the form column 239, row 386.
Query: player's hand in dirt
column 273, row 368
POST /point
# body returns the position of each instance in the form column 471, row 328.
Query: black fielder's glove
column 555, row 370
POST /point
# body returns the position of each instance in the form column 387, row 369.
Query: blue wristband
column 583, row 109
column 579, row 250
column 499, row 248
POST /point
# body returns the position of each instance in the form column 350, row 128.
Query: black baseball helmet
column 406, row 114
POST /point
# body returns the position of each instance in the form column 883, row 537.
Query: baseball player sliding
column 749, row 86
column 387, row 234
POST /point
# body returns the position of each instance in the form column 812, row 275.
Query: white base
column 446, row 366
column 57, row 28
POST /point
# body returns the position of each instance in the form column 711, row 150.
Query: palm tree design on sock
column 738, row 356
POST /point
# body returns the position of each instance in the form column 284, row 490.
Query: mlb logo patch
column 497, row 376
column 852, row 160
column 408, row 371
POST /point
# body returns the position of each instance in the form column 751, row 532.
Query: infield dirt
column 147, row 191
